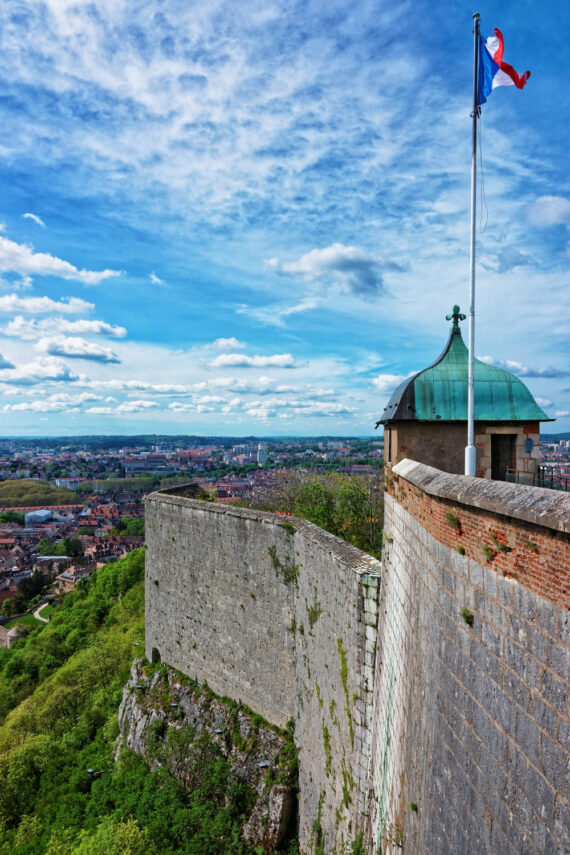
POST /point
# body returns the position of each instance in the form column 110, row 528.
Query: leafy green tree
column 130, row 525
column 316, row 502
column 17, row 517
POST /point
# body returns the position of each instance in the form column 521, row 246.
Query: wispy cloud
column 357, row 271
column 125, row 408
column 5, row 363
column 31, row 330
column 240, row 360
column 549, row 211
column 22, row 259
column 75, row 347
column 141, row 386
column 156, row 280
column 35, row 219
column 524, row 370
column 41, row 407
column 510, row 257
column 386, row 383
column 277, row 314
column 44, row 305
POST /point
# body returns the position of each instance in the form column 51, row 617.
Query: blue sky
column 252, row 217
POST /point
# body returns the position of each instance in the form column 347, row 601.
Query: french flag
column 493, row 71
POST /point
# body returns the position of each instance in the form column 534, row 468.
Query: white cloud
column 240, row 360
column 228, row 344
column 125, row 408
column 524, row 370
column 267, row 409
column 177, row 407
column 22, row 284
column 276, row 315
column 46, row 369
column 543, row 402
column 136, row 406
column 5, row 363
column 550, row 211
column 35, row 219
column 44, row 305
column 42, row 407
column 75, row 347
column 356, row 270
column 561, row 413
column 22, row 259
column 156, row 280
column 141, row 386
column 31, row 330
column 386, row 383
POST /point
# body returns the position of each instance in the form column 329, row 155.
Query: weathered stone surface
column 470, row 732
column 281, row 615
column 270, row 818
column 548, row 508
column 441, row 682
column 254, row 756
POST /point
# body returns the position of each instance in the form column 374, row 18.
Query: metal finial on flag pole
column 470, row 451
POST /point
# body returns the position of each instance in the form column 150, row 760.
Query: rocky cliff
column 174, row 722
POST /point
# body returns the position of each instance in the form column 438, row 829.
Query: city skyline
column 232, row 220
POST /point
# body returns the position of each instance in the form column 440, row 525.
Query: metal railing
column 545, row 476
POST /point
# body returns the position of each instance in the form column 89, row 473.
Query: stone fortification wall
column 276, row 613
column 336, row 617
column 215, row 607
column 471, row 728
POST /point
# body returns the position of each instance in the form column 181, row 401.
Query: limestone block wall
column 283, row 616
column 336, row 625
column 215, row 607
column 470, row 737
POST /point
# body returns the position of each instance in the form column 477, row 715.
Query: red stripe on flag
column 519, row 81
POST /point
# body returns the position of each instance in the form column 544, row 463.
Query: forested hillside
column 20, row 493
column 60, row 791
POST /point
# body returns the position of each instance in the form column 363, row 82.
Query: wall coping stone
column 359, row 561
column 539, row 505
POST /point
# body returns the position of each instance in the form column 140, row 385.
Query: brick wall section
column 471, row 722
column 261, row 607
column 533, row 549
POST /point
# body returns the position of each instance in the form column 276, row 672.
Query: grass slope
column 60, row 689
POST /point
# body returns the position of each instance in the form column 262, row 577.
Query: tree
column 13, row 517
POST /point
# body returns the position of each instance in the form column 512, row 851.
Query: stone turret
column 426, row 417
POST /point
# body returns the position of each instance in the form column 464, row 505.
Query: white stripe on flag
column 501, row 78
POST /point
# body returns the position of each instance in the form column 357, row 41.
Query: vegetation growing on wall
column 344, row 681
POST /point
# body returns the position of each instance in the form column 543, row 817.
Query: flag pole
column 470, row 451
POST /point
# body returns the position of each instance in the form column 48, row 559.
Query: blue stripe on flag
column 487, row 70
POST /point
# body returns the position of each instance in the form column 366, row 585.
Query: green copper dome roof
column 439, row 393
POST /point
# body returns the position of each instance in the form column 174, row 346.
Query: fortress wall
column 336, row 618
column 282, row 615
column 471, row 722
column 216, row 609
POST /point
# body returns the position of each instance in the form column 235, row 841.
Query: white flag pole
column 470, row 451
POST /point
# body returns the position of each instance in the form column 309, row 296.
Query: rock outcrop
column 156, row 701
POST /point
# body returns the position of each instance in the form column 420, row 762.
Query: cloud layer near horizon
column 272, row 198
